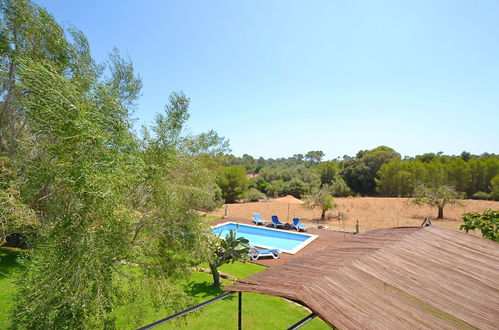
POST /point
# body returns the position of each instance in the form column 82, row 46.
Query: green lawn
column 259, row 311
column 211, row 217
column 8, row 265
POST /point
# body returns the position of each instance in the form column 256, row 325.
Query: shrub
column 275, row 188
column 481, row 195
column 295, row 187
column 261, row 184
column 494, row 188
column 254, row 195
column 487, row 222
column 339, row 188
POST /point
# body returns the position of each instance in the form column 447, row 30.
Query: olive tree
column 115, row 216
column 76, row 184
column 105, row 203
column 437, row 196
column 322, row 199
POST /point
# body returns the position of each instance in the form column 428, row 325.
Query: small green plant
column 223, row 251
column 487, row 222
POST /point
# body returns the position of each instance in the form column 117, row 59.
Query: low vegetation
column 487, row 222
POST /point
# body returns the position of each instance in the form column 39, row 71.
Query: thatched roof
column 397, row 278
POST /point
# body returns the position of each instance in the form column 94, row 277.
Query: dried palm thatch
column 429, row 277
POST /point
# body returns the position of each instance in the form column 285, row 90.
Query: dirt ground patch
column 372, row 212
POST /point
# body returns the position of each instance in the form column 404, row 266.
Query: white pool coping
column 300, row 246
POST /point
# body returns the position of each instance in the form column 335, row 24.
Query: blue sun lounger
column 276, row 223
column 256, row 253
column 298, row 225
column 257, row 219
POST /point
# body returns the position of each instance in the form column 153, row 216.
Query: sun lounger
column 298, row 225
column 276, row 223
column 256, row 253
column 257, row 219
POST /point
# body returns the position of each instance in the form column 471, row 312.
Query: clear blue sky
column 283, row 77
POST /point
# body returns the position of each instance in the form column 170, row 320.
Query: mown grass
column 211, row 217
column 8, row 266
column 259, row 311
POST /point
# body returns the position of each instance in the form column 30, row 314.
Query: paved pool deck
column 325, row 238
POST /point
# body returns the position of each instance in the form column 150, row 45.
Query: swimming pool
column 288, row 242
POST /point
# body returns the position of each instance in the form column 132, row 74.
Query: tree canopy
column 233, row 182
column 323, row 199
column 361, row 172
column 108, row 215
column 439, row 196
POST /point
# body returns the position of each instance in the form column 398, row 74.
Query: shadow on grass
column 8, row 262
column 203, row 290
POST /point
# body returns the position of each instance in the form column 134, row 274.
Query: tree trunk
column 440, row 212
column 323, row 215
column 216, row 276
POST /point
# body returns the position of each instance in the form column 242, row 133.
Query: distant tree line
column 476, row 177
column 377, row 172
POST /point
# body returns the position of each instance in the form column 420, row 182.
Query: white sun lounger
column 256, row 253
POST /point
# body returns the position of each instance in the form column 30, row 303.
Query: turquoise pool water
column 268, row 238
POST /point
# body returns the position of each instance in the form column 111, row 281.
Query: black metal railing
column 193, row 308
column 211, row 301
column 302, row 321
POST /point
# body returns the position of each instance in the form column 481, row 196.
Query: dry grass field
column 372, row 213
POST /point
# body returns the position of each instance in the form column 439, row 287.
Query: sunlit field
column 372, row 212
